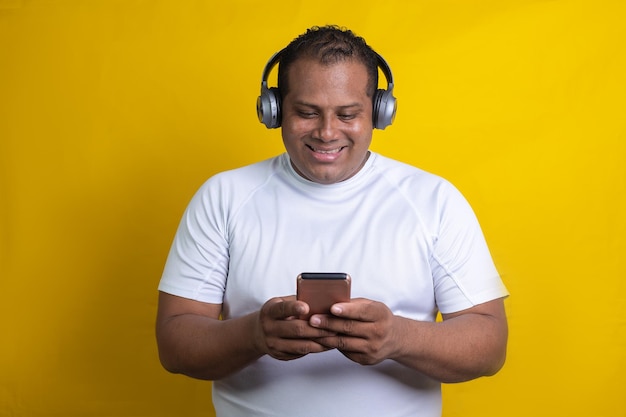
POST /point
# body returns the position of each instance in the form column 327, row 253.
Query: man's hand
column 467, row 344
column 194, row 341
column 280, row 334
column 365, row 330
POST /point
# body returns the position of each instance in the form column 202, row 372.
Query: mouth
column 326, row 156
column 326, row 151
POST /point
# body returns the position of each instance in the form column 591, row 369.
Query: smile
column 326, row 151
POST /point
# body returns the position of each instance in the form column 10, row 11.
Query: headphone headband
column 268, row 103
column 268, row 67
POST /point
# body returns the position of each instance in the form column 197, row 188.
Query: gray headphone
column 268, row 103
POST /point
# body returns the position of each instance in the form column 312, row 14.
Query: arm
column 465, row 345
column 192, row 340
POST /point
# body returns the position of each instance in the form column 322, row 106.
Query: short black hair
column 328, row 45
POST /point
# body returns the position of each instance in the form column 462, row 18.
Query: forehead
column 308, row 75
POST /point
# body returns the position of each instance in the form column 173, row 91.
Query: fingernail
column 315, row 321
column 336, row 310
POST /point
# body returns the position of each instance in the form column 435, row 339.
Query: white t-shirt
column 407, row 238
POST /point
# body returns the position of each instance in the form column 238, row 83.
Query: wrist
column 257, row 339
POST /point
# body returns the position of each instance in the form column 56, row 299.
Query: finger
column 289, row 350
column 285, row 307
column 336, row 325
column 360, row 309
column 355, row 349
column 291, row 329
column 343, row 343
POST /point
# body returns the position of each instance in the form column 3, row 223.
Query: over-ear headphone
column 268, row 103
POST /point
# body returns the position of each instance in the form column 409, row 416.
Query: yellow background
column 113, row 112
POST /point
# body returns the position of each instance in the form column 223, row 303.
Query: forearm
column 207, row 348
column 455, row 350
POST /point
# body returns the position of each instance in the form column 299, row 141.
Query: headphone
column 268, row 103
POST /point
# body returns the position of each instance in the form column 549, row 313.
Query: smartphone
column 320, row 290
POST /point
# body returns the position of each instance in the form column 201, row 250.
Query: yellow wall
column 113, row 112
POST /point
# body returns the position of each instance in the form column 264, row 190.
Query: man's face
column 327, row 119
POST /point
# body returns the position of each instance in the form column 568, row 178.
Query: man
column 408, row 238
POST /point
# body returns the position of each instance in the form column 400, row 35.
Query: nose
column 326, row 130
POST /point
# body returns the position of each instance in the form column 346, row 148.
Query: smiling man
column 408, row 238
column 327, row 119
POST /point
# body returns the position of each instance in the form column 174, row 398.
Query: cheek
column 361, row 127
column 298, row 127
column 360, row 132
column 295, row 128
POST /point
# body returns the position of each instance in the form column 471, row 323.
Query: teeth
column 331, row 151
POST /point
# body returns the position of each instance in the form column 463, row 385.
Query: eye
column 346, row 116
column 306, row 114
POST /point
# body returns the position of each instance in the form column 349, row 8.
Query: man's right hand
column 194, row 341
column 282, row 335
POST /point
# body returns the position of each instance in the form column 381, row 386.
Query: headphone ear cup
column 268, row 107
column 384, row 111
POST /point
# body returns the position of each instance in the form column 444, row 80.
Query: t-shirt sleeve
column 197, row 264
column 464, row 273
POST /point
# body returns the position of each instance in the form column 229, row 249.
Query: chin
column 327, row 179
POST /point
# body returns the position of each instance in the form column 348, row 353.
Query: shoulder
column 243, row 180
column 434, row 199
column 414, row 182
column 250, row 175
column 229, row 189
